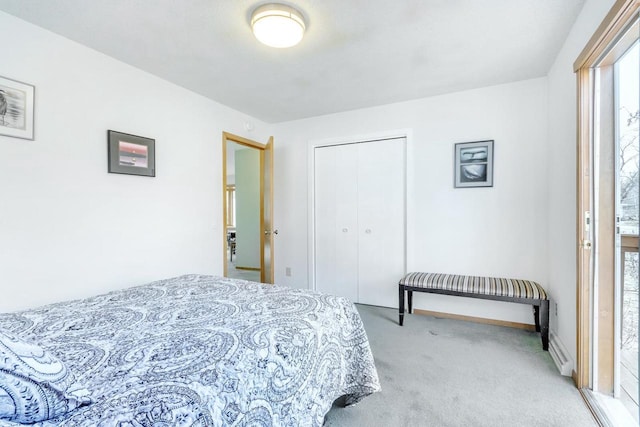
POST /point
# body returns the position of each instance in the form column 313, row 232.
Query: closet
column 359, row 220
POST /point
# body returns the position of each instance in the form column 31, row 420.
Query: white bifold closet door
column 336, row 220
column 359, row 209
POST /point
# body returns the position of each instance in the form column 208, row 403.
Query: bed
column 202, row 351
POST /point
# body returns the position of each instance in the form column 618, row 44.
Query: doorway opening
column 247, row 208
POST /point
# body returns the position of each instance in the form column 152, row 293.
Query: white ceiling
column 355, row 54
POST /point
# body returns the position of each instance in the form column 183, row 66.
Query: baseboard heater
column 559, row 355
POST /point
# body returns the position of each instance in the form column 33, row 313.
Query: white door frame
column 408, row 188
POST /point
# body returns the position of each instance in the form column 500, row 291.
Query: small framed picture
column 17, row 102
column 131, row 154
column 474, row 164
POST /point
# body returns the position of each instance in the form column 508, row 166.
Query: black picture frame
column 131, row 154
column 473, row 164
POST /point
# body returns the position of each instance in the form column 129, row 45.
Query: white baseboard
column 560, row 355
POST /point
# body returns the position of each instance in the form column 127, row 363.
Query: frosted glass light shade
column 277, row 25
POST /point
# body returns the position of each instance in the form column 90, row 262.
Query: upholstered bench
column 509, row 290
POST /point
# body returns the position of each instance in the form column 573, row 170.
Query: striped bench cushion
column 513, row 288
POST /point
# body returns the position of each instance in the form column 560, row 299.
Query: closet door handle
column 345, row 230
column 368, row 231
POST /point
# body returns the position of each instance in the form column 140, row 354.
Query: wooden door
column 266, row 271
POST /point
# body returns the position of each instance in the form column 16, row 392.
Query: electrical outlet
column 287, row 272
column 556, row 304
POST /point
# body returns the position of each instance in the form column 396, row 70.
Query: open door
column 267, row 213
column 608, row 217
column 265, row 203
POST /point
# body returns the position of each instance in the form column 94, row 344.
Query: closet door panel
column 336, row 233
column 381, row 219
column 347, row 221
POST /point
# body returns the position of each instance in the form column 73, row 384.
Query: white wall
column 247, row 207
column 562, row 171
column 69, row 229
column 66, row 226
column 499, row 231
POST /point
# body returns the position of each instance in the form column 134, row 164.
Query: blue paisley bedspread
column 205, row 351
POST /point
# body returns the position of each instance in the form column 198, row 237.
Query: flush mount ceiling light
column 277, row 25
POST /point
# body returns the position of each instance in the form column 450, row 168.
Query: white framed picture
column 473, row 164
column 17, row 102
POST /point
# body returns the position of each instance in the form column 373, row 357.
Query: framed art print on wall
column 131, row 154
column 17, row 101
column 473, row 164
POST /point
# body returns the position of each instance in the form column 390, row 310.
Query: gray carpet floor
column 443, row 372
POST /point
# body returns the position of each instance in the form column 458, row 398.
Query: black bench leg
column 536, row 317
column 401, row 304
column 410, row 294
column 544, row 324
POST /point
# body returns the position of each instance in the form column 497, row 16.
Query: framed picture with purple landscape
column 17, row 101
column 473, row 164
column 131, row 154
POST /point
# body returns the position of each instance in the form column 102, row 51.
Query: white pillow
column 34, row 384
